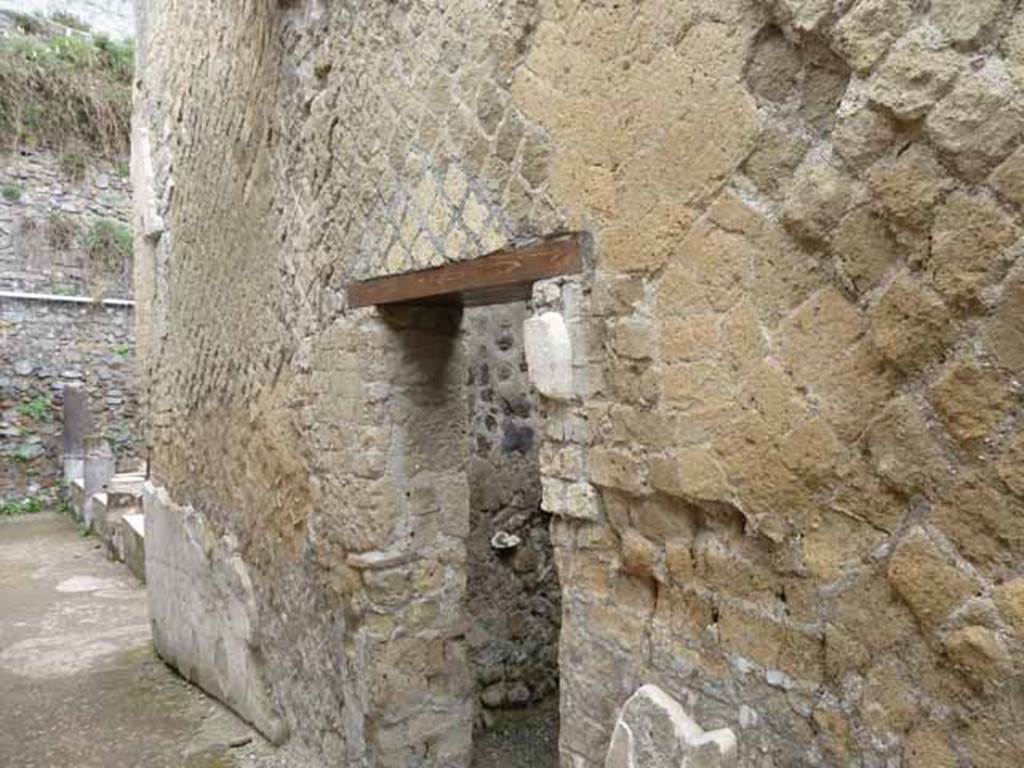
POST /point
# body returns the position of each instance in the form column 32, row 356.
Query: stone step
column 125, row 491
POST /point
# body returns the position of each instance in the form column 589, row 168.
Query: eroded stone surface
column 204, row 616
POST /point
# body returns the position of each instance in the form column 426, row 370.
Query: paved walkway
column 80, row 685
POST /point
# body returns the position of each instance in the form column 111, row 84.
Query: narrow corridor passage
column 79, row 682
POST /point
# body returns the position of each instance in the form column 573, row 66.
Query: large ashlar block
column 654, row 731
column 549, row 355
column 203, row 609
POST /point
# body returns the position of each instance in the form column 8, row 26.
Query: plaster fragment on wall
column 549, row 355
column 653, row 730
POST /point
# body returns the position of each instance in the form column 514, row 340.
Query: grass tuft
column 20, row 507
column 109, row 245
column 61, row 230
column 38, row 408
column 73, row 164
column 11, row 192
column 27, row 23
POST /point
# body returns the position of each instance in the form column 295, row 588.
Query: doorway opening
column 510, row 595
column 513, row 598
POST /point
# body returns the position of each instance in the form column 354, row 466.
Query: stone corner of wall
column 205, row 623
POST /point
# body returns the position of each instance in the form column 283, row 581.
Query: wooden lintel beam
column 493, row 279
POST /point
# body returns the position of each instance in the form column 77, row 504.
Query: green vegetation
column 73, row 164
column 61, row 231
column 63, row 289
column 20, row 507
column 109, row 245
column 69, row 20
column 11, row 192
column 123, row 350
column 66, row 90
column 38, row 408
column 27, row 23
column 118, row 57
column 27, row 452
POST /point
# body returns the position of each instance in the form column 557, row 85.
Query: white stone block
column 582, row 502
column 654, row 731
column 203, row 607
column 549, row 355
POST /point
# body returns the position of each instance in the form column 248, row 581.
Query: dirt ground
column 525, row 738
column 80, row 685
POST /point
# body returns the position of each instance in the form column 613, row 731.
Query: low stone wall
column 44, row 346
column 63, row 232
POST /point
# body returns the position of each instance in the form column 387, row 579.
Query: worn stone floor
column 80, row 684
column 81, row 687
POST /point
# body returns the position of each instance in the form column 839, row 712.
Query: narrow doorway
column 506, row 642
column 513, row 598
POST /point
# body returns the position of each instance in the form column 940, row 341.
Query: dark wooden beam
column 494, row 279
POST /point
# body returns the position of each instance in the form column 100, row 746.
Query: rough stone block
column 910, row 325
column 1004, row 330
column 76, row 428
column 971, row 242
column 617, row 469
column 924, row 577
column 908, row 186
column 867, row 30
column 576, row 500
column 913, row 78
column 979, row 121
column 205, row 621
column 1009, row 597
column 654, row 731
column 972, row 400
column 549, row 355
column 979, row 653
column 961, row 22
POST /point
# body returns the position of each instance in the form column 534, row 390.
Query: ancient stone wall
column 45, row 346
column 56, row 212
column 60, row 215
column 785, row 474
